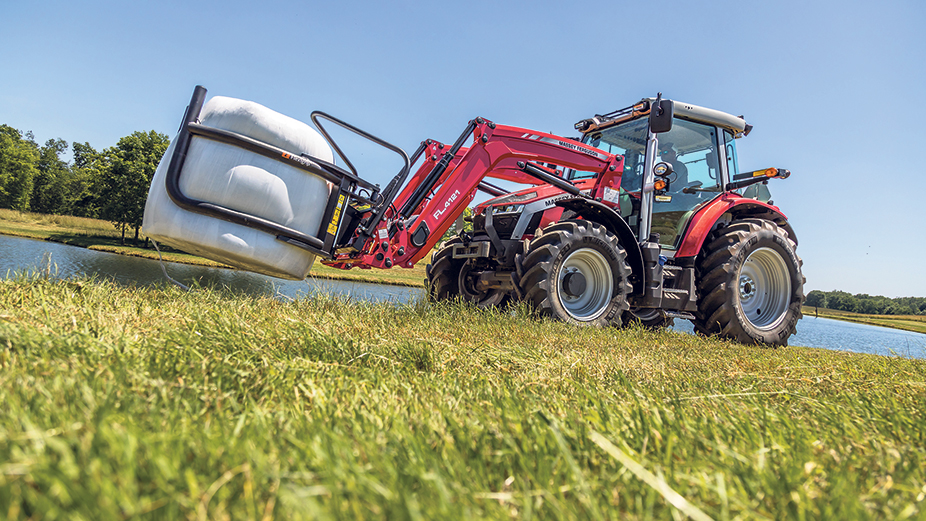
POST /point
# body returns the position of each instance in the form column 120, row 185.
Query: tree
column 17, row 168
column 868, row 307
column 842, row 301
column 127, row 176
column 467, row 225
column 50, row 183
column 86, row 181
column 816, row 298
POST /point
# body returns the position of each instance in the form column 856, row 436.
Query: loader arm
column 448, row 179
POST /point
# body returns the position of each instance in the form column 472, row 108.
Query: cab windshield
column 692, row 150
column 628, row 140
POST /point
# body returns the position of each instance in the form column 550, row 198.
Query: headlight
column 509, row 208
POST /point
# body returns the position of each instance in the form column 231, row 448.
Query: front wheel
column 443, row 273
column 576, row 271
column 750, row 284
column 449, row 278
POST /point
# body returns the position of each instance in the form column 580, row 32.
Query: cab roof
column 735, row 124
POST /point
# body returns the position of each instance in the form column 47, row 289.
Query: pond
column 17, row 254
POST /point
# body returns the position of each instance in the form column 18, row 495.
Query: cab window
column 692, row 150
column 628, row 140
column 732, row 168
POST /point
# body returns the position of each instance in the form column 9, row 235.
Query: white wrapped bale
column 246, row 182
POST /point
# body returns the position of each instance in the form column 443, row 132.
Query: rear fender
column 597, row 212
column 702, row 222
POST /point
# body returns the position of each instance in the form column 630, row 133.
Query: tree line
column 867, row 304
column 111, row 184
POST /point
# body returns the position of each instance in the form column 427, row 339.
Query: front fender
column 702, row 222
column 597, row 212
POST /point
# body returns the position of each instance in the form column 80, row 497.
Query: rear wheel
column 750, row 284
column 577, row 271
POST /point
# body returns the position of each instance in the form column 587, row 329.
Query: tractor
column 671, row 237
column 644, row 218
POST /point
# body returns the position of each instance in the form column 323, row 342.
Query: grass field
column 156, row 403
column 103, row 236
column 916, row 323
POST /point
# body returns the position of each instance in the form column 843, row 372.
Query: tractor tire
column 576, row 271
column 750, row 286
column 648, row 318
column 443, row 273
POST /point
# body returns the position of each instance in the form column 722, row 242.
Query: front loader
column 645, row 218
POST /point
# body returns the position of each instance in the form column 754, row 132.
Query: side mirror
column 660, row 116
column 662, row 170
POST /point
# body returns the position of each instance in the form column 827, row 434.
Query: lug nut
column 388, row 263
column 401, row 251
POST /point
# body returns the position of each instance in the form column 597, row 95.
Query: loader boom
column 446, row 183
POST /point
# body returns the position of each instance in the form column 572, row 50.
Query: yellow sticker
column 663, row 198
column 333, row 226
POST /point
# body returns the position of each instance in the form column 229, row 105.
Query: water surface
column 18, row 254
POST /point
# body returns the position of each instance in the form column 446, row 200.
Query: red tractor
column 645, row 218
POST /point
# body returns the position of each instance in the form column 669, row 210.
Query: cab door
column 693, row 150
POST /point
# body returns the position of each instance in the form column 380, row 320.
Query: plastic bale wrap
column 246, row 182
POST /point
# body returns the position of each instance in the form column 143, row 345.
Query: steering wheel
column 692, row 187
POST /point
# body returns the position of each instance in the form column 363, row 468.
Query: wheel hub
column 585, row 284
column 747, row 287
column 764, row 288
column 574, row 283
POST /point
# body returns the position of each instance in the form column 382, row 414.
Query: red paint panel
column 702, row 222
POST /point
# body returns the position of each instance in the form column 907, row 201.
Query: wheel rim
column 764, row 288
column 592, row 301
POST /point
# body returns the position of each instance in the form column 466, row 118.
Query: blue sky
column 835, row 90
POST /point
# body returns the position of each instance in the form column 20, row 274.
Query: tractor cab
column 699, row 148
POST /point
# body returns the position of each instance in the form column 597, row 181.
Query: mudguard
column 600, row 213
column 702, row 222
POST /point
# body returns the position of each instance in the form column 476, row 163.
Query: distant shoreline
column 912, row 323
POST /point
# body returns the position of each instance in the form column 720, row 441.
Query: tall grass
column 163, row 404
column 59, row 223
